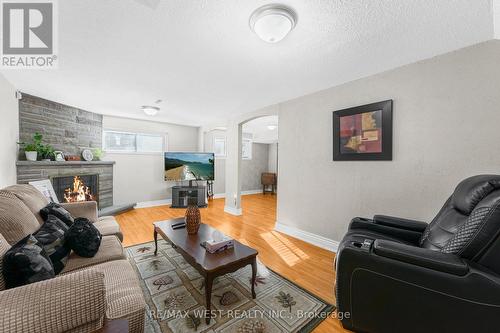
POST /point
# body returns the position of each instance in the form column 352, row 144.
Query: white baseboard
column 251, row 192
column 232, row 210
column 223, row 195
column 154, row 203
column 146, row 204
column 320, row 241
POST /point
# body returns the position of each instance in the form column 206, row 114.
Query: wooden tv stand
column 182, row 194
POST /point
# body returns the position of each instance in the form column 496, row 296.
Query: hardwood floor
column 306, row 265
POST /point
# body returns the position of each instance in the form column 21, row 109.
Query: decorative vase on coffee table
column 192, row 218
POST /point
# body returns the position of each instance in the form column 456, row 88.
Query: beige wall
column 9, row 133
column 446, row 128
column 496, row 18
column 252, row 169
column 220, row 162
column 273, row 158
column 139, row 177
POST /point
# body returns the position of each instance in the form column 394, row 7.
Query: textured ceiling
column 202, row 60
column 258, row 128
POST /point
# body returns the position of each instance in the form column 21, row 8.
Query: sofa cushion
column 58, row 211
column 110, row 249
column 124, row 297
column 16, row 220
column 51, row 236
column 31, row 197
column 83, row 238
column 4, row 247
column 87, row 209
column 26, row 262
column 107, row 225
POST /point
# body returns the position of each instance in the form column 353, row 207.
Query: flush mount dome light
column 272, row 127
column 273, row 22
column 150, row 110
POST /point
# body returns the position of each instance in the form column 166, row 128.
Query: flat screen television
column 189, row 166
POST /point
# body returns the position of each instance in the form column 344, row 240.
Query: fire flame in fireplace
column 78, row 192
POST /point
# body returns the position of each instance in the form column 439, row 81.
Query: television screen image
column 189, row 166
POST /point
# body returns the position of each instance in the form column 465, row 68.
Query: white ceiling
column 496, row 17
column 202, row 60
column 258, row 128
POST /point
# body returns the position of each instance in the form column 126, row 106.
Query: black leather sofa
column 399, row 275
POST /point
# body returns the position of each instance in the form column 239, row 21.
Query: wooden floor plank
column 306, row 265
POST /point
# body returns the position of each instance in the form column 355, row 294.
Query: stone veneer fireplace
column 68, row 129
column 96, row 176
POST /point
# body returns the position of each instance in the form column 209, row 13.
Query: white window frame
column 164, row 136
column 249, row 142
column 220, row 139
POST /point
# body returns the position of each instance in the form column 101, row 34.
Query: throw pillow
column 58, row 211
column 26, row 262
column 51, row 236
column 83, row 238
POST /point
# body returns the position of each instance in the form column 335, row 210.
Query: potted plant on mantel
column 46, row 152
column 36, row 149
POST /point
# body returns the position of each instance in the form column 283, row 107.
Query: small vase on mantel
column 31, row 155
column 192, row 218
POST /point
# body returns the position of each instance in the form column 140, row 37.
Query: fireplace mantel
column 62, row 163
column 28, row 171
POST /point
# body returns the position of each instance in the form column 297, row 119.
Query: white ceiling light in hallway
column 150, row 110
column 273, row 22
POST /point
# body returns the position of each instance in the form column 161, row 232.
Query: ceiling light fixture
column 272, row 127
column 150, row 110
column 273, row 22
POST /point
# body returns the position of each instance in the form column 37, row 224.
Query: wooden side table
column 268, row 179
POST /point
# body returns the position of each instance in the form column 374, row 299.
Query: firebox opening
column 76, row 188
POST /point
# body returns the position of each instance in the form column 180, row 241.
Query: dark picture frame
column 355, row 142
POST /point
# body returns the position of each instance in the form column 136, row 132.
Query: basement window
column 220, row 146
column 132, row 143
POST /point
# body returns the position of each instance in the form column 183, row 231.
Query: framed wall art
column 363, row 133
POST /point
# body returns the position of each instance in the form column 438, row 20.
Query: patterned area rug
column 174, row 293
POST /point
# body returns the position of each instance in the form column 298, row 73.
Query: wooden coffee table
column 207, row 264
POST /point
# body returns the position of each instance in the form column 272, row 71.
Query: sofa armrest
column 398, row 222
column 56, row 305
column 86, row 209
column 442, row 262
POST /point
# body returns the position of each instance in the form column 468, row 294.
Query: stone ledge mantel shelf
column 62, row 163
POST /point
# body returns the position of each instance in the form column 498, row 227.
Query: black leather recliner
column 399, row 275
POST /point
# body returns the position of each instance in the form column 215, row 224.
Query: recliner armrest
column 406, row 235
column 442, row 262
column 398, row 222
